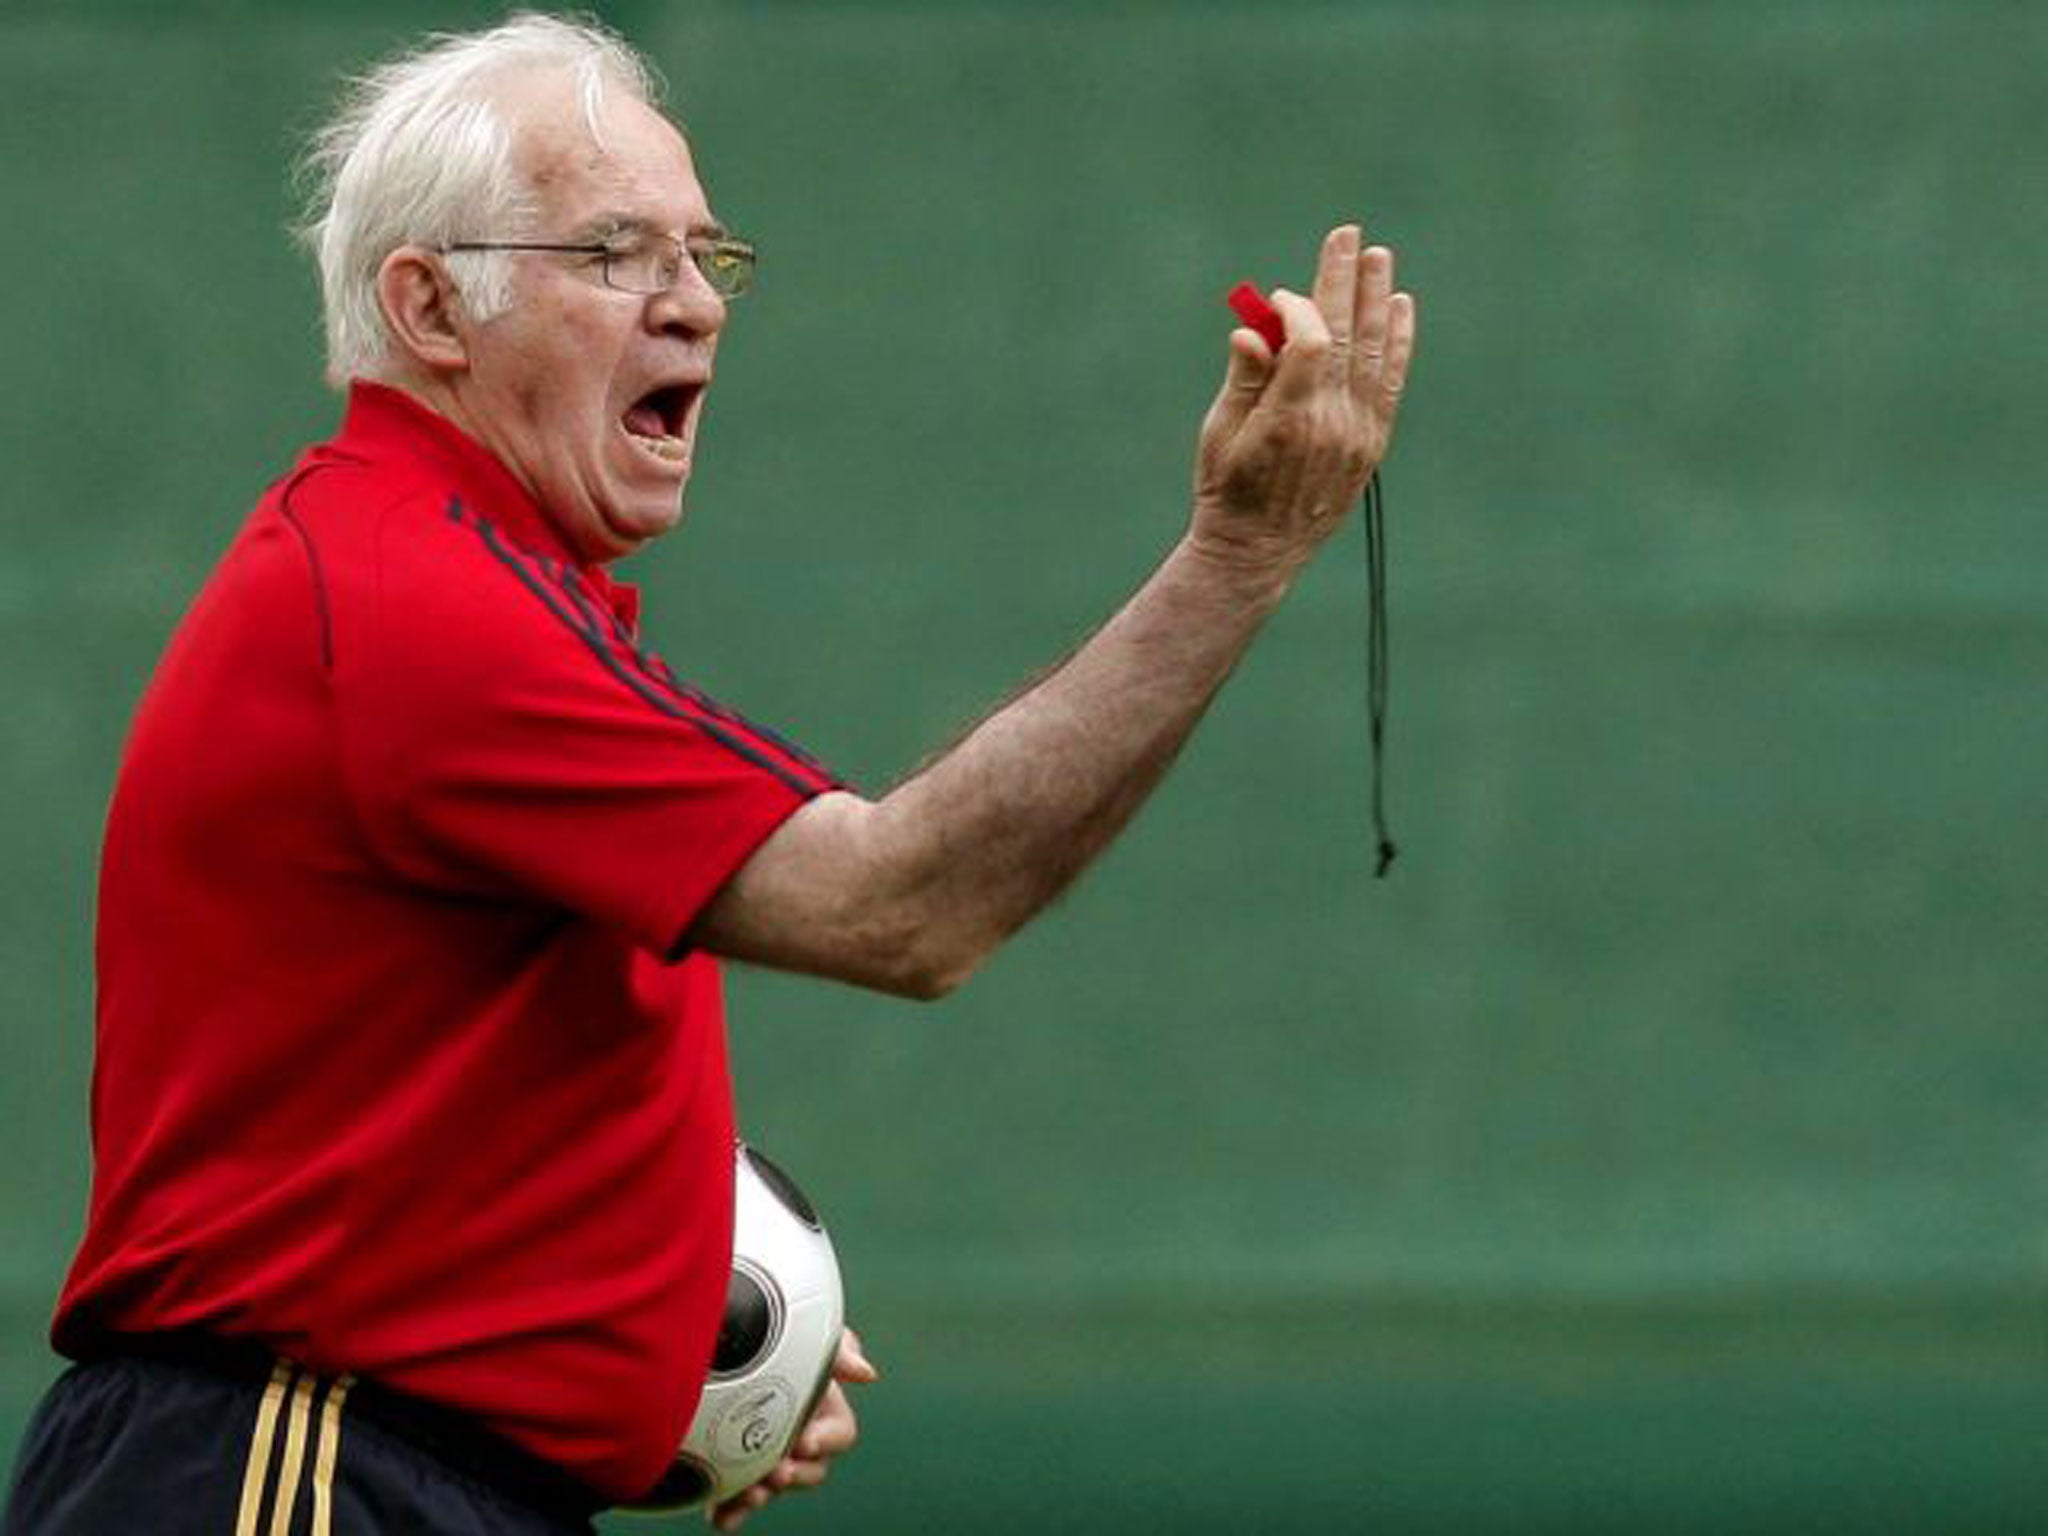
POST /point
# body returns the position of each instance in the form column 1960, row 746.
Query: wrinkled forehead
column 623, row 162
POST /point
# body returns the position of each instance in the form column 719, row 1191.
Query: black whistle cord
column 1376, row 663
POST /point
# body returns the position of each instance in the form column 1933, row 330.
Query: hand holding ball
column 784, row 1312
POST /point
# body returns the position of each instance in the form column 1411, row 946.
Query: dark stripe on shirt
column 663, row 673
column 657, row 672
column 291, row 520
column 660, row 699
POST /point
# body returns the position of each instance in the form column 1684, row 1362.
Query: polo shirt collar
column 381, row 421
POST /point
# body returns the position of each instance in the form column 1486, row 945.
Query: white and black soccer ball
column 784, row 1311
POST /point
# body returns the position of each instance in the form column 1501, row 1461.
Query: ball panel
column 783, row 1187
column 752, row 1325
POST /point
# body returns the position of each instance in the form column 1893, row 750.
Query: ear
column 423, row 309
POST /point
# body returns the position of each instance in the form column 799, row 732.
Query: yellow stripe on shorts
column 326, row 1449
column 257, row 1471
column 294, row 1456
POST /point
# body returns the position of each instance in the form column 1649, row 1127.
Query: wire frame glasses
column 648, row 263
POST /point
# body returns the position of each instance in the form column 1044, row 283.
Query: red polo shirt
column 399, row 1071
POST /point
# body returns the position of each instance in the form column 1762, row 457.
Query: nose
column 689, row 308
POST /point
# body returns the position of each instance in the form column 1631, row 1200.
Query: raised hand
column 1289, row 443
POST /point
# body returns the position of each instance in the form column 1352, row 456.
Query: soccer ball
column 784, row 1310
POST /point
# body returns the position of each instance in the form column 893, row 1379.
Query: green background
column 1663, row 1146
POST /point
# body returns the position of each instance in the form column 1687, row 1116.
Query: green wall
column 1663, row 1146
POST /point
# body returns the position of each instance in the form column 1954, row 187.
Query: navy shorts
column 206, row 1441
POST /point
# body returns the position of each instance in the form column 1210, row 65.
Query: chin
column 630, row 529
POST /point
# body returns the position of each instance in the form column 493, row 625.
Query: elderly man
column 412, row 1198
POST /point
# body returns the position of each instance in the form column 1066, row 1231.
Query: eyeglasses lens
column 657, row 266
column 727, row 266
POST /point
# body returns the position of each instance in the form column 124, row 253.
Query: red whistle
column 1254, row 311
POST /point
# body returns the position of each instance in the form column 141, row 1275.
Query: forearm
column 910, row 893
column 985, row 836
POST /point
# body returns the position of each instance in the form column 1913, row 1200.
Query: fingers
column 1320, row 328
column 1373, row 287
column 851, row 1363
column 830, row 1432
column 798, row 1472
column 1353, row 332
column 1347, row 297
column 795, row 1473
column 1385, row 333
column 1401, row 324
column 1342, row 331
column 831, row 1429
column 1304, row 360
column 1336, row 285
column 1250, row 364
column 732, row 1514
column 1244, row 381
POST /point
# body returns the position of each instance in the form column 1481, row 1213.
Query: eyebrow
column 607, row 227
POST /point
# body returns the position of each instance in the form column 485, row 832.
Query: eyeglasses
column 650, row 263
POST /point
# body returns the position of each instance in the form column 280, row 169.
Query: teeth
column 673, row 448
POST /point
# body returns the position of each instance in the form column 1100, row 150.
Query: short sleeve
column 506, row 738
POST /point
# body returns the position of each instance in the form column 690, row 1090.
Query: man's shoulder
column 401, row 556
column 346, row 497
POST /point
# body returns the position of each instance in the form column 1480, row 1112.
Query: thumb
column 1250, row 368
column 852, row 1363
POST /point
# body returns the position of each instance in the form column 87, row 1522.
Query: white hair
column 420, row 152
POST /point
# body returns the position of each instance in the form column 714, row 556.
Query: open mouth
column 658, row 419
